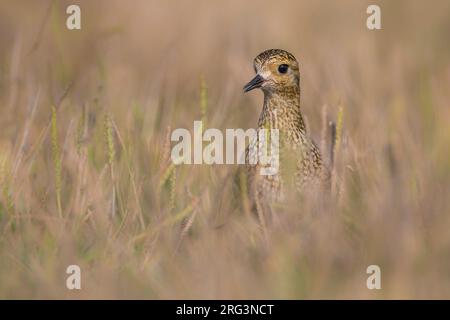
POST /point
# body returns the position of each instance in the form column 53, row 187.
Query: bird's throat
column 281, row 111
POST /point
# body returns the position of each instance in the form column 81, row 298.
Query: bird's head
column 276, row 70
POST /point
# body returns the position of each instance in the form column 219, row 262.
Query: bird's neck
column 281, row 111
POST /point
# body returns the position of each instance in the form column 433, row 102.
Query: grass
column 56, row 160
column 90, row 181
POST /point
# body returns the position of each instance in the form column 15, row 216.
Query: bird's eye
column 283, row 68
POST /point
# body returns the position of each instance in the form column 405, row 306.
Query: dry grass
column 85, row 175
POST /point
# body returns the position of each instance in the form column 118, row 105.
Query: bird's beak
column 256, row 82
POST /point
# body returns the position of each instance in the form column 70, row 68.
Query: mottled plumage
column 301, row 165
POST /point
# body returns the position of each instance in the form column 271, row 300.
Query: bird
column 301, row 164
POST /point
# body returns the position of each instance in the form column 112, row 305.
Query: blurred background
column 85, row 176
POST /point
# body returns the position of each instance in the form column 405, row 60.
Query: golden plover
column 277, row 75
